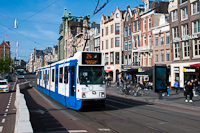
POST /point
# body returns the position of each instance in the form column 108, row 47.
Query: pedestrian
column 117, row 82
column 176, row 85
column 134, row 82
column 196, row 87
column 188, row 91
column 167, row 93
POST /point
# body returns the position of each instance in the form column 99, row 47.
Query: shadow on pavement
column 41, row 119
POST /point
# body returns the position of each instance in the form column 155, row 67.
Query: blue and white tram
column 75, row 81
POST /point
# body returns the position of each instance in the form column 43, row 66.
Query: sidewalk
column 173, row 99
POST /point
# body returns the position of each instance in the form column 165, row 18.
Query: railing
column 146, row 48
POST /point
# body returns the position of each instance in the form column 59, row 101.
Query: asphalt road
column 7, row 110
column 121, row 115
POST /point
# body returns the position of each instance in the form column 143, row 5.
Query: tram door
column 72, row 88
column 56, row 83
column 45, row 82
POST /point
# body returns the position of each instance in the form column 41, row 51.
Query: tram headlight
column 93, row 92
column 83, row 95
column 102, row 94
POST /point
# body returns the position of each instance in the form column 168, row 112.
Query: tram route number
column 83, row 89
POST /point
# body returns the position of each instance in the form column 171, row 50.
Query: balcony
column 148, row 48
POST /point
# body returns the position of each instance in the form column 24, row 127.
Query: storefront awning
column 108, row 71
column 195, row 65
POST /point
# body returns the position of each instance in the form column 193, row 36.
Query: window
column 116, row 41
column 106, row 58
column 125, row 60
column 111, row 28
column 66, row 74
column 186, row 51
column 117, row 15
column 149, row 25
column 167, row 38
column 135, row 42
column 60, row 74
column 125, row 45
column 156, row 56
column 182, row 1
column 112, row 42
column 162, row 56
column 117, row 26
column 175, row 32
column 149, row 40
column 129, row 30
column 144, row 41
column 138, row 41
column 102, row 32
column 129, row 44
column 138, row 25
column 117, row 58
column 174, row 15
column 102, row 45
column 162, row 39
column 167, row 53
column 196, row 47
column 184, row 13
column 196, row 26
column 176, row 50
column 144, row 25
column 184, row 29
column 125, row 32
column 53, row 74
column 134, row 26
column 106, row 30
column 106, row 44
column 111, row 58
column 195, row 7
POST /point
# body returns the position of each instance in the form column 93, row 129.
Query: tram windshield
column 91, row 75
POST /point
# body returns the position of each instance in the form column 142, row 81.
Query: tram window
column 44, row 75
column 39, row 74
column 48, row 76
column 66, row 75
column 60, row 74
column 53, row 75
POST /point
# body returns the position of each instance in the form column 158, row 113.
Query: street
column 121, row 115
column 7, row 110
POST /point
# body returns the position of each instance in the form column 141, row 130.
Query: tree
column 5, row 65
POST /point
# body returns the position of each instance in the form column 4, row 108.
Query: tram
column 75, row 81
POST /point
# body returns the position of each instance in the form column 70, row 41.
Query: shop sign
column 176, row 70
column 185, row 38
column 189, row 70
column 139, row 69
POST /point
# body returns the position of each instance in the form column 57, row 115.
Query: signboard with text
column 91, row 58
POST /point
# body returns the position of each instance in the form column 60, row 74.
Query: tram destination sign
column 91, row 58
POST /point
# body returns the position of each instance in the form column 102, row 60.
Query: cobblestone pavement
column 150, row 96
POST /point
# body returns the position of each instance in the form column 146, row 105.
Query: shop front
column 182, row 72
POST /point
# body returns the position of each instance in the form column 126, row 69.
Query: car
column 4, row 85
column 9, row 78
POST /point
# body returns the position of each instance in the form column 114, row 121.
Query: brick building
column 6, row 45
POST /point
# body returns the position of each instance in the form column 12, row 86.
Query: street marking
column 104, row 129
column 8, row 107
column 9, row 104
column 77, row 131
column 6, row 110
column 5, row 114
column 3, row 120
column 1, row 128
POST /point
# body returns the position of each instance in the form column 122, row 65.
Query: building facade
column 184, row 36
column 4, row 49
column 111, row 42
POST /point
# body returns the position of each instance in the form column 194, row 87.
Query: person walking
column 176, row 85
column 196, row 87
column 188, row 91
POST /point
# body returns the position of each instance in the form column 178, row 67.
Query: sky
column 39, row 20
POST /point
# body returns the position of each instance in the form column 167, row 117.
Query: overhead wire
column 27, row 19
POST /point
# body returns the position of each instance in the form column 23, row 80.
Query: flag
column 17, row 44
column 15, row 24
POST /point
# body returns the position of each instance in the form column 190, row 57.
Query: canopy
column 195, row 65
